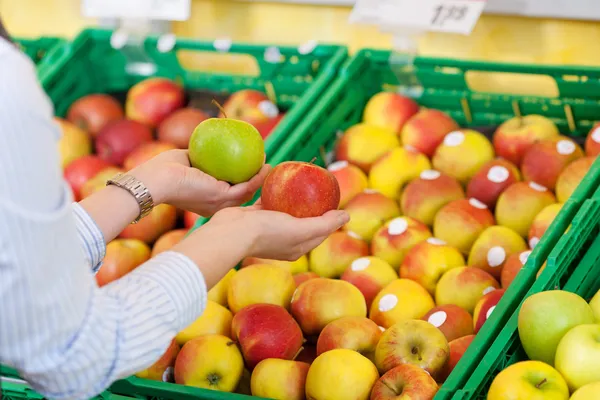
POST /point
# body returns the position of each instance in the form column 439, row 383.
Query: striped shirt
column 69, row 338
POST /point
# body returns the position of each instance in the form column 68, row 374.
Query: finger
column 241, row 190
column 323, row 225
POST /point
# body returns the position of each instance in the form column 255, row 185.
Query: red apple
column 265, row 128
column 251, row 106
column 457, row 349
column 93, row 112
column 453, row 321
column 122, row 256
column 162, row 369
column 168, row 240
column 491, row 180
column 83, row 169
column 484, row 308
column 160, row 220
column 153, row 100
column 354, row 333
column 118, row 139
column 304, row 276
column 146, row 152
column 178, row 127
column 405, row 382
column 352, row 180
column 300, row 189
column 266, row 331
column 389, row 110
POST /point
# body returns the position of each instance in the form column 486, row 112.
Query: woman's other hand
column 170, row 179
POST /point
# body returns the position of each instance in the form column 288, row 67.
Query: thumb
column 326, row 224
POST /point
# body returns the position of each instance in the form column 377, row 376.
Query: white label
column 451, row 16
column 336, row 166
column 596, row 135
column 308, row 47
column 537, row 186
column 435, row 241
column 168, row 375
column 381, row 328
column 524, row 256
column 354, row 235
column 388, row 302
column 438, row 318
column 496, row 256
column 533, row 242
column 222, row 44
column 565, row 147
column 498, row 174
column 411, row 148
column 489, row 312
column 272, row 55
column 370, row 191
column 488, row 289
column 477, row 204
column 454, row 139
column 360, row 264
column 166, row 42
column 397, row 226
column 430, row 174
column 164, row 10
column 269, row 109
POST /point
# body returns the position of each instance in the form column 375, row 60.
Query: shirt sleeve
column 69, row 338
column 90, row 236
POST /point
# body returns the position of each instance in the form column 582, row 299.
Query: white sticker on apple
column 336, row 166
column 498, row 174
column 435, row 241
column 524, row 256
column 533, row 242
column 596, row 135
column 430, row 174
column 222, row 44
column 397, row 226
column 354, row 235
column 167, row 376
column 454, row 139
column 411, row 148
column 489, row 312
column 381, row 328
column 438, row 318
column 308, row 47
column 496, row 256
column 538, row 187
column 477, row 204
column 360, row 264
column 388, row 302
column 488, row 290
column 370, row 191
column 269, row 109
column 565, row 147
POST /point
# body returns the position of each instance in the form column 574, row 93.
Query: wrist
column 155, row 182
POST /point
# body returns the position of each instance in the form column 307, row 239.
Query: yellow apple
column 215, row 319
column 578, row 356
column 529, row 380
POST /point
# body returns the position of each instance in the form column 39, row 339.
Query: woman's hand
column 170, row 179
column 279, row 236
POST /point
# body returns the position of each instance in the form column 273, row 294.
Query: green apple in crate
column 578, row 356
column 546, row 317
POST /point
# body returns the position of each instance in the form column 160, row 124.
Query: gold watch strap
column 137, row 189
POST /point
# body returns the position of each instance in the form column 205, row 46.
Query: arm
column 68, row 337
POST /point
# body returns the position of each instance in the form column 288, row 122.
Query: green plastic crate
column 441, row 84
column 39, row 49
column 573, row 265
column 91, row 65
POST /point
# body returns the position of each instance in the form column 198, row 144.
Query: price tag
column 451, row 16
column 164, row 10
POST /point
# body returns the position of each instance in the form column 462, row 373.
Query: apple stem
column 539, row 385
column 219, row 106
column 313, row 160
column 298, row 353
column 230, row 343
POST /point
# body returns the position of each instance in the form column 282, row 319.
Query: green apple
column 587, row 392
column 595, row 304
column 546, row 317
column 529, row 380
column 578, row 356
column 227, row 149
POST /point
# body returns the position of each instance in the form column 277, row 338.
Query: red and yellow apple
column 94, row 111
column 492, row 248
column 570, row 178
column 458, row 347
column 592, row 142
column 98, row 182
column 406, row 381
column 512, row 266
column 389, row 110
column 168, row 240
column 352, row 180
column 74, row 142
column 146, row 152
column 81, row 170
column 178, row 127
column 453, row 321
column 485, row 307
column 355, row 333
column 396, row 237
column 274, row 378
column 369, row 275
column 491, row 180
column 401, row 300
column 215, row 319
column 152, row 100
column 335, row 254
column 464, row 286
column 425, row 131
column 120, row 138
column 363, row 144
column 368, row 211
column 122, row 256
column 162, row 369
column 542, row 222
column 161, row 219
column 249, row 105
column 304, row 276
column 294, row 267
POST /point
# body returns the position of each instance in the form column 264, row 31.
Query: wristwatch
column 137, row 189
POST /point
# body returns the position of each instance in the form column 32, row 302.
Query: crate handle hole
column 221, row 63
column 512, row 83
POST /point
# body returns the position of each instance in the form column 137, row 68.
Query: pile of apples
column 442, row 220
column 559, row 332
column 101, row 137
